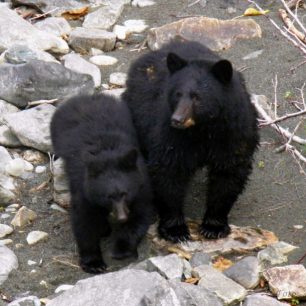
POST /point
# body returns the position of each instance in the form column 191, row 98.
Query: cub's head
column 195, row 89
column 112, row 180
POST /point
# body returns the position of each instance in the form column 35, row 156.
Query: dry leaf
column 262, row 283
column 222, row 263
column 179, row 252
column 75, row 13
column 192, row 280
column 253, row 12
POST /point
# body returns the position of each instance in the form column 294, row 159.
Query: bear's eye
column 194, row 96
column 178, row 94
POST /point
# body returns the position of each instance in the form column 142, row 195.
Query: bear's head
column 112, row 180
column 196, row 89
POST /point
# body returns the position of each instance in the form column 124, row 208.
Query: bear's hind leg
column 224, row 187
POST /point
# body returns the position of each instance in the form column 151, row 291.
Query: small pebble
column 58, row 208
column 5, row 230
column 298, row 226
column 103, row 60
column 95, row 51
column 231, row 10
column 10, row 210
column 5, row 216
column 135, row 25
column 31, row 262
column 105, row 86
column 5, row 241
column 36, row 236
column 14, row 205
column 32, row 156
column 40, row 169
column 43, row 283
column 16, row 167
column 33, row 271
column 142, row 3
column 23, row 217
column 253, row 55
column 19, row 245
column 118, row 78
column 120, row 31
column 63, row 288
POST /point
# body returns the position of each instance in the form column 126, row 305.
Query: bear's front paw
column 175, row 233
column 214, row 231
column 93, row 267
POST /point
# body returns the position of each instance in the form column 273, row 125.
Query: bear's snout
column 182, row 117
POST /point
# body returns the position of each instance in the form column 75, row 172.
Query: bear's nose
column 177, row 122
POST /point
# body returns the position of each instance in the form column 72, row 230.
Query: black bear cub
column 191, row 109
column 106, row 173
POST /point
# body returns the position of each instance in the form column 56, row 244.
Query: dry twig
column 295, row 41
column 288, row 22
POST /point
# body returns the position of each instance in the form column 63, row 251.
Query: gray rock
column 57, row 26
column 214, row 33
column 170, row 266
column 180, row 294
column 187, row 268
column 76, row 63
column 55, row 7
column 200, row 258
column 5, row 158
column 32, row 126
column 161, row 295
column 82, row 40
column 26, row 301
column 7, row 138
column 287, row 282
column 260, row 299
column 18, row 54
column 14, row 30
column 245, row 272
column 8, row 262
column 104, row 17
column 275, row 254
column 216, row 282
column 125, row 287
column 61, row 194
column 6, row 195
column 6, row 108
column 6, row 183
column 38, row 80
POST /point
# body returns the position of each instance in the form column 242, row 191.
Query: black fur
column 95, row 137
column 191, row 109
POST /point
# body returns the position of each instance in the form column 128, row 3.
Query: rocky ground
column 46, row 60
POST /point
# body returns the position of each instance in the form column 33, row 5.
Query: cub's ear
column 175, row 63
column 223, row 71
column 128, row 161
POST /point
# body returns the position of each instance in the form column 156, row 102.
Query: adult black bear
column 106, row 172
column 191, row 109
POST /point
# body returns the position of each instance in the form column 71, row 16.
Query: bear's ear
column 175, row 63
column 223, row 71
column 128, row 161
